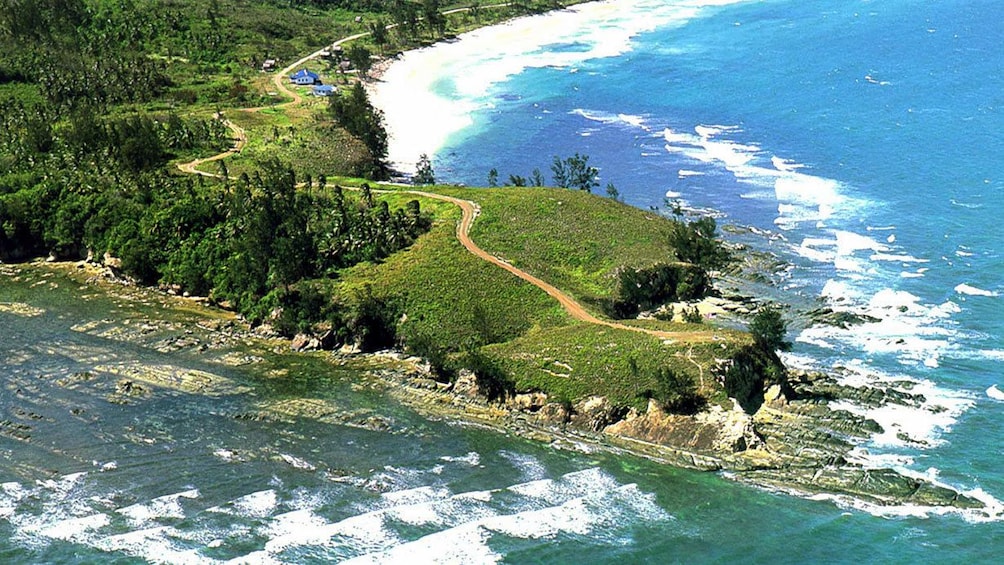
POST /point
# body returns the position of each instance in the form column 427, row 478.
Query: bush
column 692, row 315
column 425, row 346
column 640, row 289
column 492, row 378
column 769, row 329
column 697, row 243
column 677, row 392
column 372, row 321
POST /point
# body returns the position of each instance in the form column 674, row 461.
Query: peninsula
column 547, row 311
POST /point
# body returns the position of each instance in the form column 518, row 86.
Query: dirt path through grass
column 469, row 209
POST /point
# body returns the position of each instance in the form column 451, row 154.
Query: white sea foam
column 530, row 467
column 995, row 393
column 429, row 94
column 969, row 290
column 594, row 513
column 72, row 529
column 917, row 422
column 473, row 458
column 913, row 332
column 168, row 506
column 257, row 504
column 297, row 462
column 801, row 198
column 154, row 545
column 994, row 511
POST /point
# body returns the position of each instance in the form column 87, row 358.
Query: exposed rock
column 595, row 413
column 530, row 402
column 427, row 383
column 466, row 384
column 304, row 342
column 715, row 431
column 553, row 414
column 840, row 318
column 774, row 395
column 111, row 262
column 266, row 330
column 126, row 387
column 736, row 430
column 328, row 340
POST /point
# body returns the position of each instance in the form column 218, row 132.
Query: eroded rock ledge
column 799, row 445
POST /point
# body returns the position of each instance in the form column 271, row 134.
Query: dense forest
column 98, row 98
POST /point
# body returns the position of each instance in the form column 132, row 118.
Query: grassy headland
column 91, row 174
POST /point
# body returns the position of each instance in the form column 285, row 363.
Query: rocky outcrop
column 595, row 413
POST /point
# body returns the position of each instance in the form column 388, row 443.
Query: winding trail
column 469, row 213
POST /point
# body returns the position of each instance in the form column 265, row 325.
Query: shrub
column 645, row 288
column 677, row 392
column 372, row 321
column 692, row 315
column 492, row 378
column 769, row 329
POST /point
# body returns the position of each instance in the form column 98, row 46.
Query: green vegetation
column 571, row 239
column 101, row 99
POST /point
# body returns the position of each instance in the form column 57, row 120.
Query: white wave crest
column 429, row 94
column 969, row 290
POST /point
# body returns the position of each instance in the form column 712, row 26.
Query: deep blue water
column 865, row 136
column 868, row 135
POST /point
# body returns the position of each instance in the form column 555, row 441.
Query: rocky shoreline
column 800, row 446
column 795, row 443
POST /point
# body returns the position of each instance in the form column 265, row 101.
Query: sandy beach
column 429, row 94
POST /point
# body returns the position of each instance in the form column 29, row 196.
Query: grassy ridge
column 581, row 360
column 572, row 239
column 575, row 241
column 449, row 294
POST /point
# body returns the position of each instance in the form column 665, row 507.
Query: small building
column 323, row 90
column 304, row 77
column 268, row 65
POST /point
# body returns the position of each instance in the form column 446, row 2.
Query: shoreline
column 800, row 446
column 424, row 106
column 417, row 115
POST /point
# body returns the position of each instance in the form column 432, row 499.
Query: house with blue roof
column 304, row 77
column 323, row 90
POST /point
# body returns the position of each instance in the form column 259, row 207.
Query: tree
column 612, row 191
column 360, row 57
column 575, row 172
column 378, row 30
column 769, row 329
column 516, row 180
column 355, row 113
column 424, row 173
column 433, row 18
column 493, row 178
column 697, row 242
column 537, row 178
column 677, row 392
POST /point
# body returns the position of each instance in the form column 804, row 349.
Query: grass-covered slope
column 575, row 241
column 449, row 294
column 572, row 239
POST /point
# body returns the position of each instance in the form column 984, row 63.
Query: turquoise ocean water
column 865, row 137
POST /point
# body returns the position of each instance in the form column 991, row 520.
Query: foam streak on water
column 422, row 524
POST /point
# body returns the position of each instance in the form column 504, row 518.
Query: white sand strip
column 429, row 94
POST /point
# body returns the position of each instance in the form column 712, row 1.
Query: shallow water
column 863, row 133
column 178, row 473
